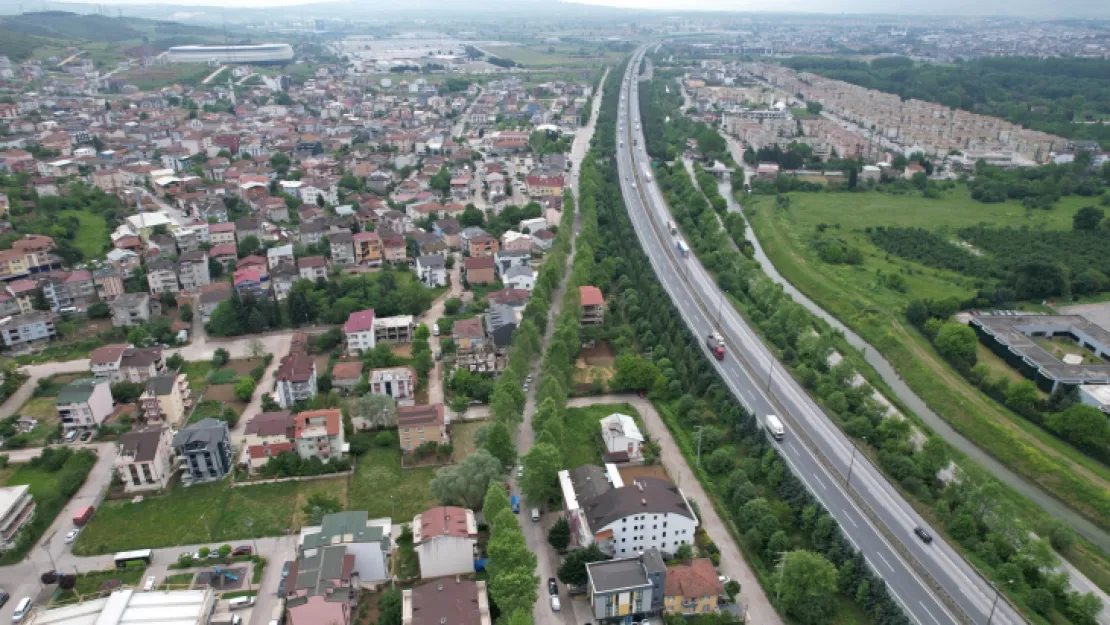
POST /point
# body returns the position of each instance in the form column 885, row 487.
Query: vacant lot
column 204, row 513
column 462, row 437
column 555, row 56
column 43, row 409
column 92, row 237
column 582, row 438
column 380, row 486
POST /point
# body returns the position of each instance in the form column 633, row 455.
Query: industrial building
column 260, row 53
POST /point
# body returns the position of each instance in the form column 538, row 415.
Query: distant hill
column 72, row 26
column 21, row 35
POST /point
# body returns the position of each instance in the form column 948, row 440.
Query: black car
column 4, row 596
column 85, row 436
column 552, row 587
column 281, row 589
column 285, row 569
column 923, row 534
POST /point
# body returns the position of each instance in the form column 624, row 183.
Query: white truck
column 774, row 425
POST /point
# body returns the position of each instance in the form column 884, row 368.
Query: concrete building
column 144, row 459
column 593, row 306
column 368, row 540
column 621, row 436
column 421, row 424
column 627, row 588
column 319, row 588
column 458, row 602
column 360, row 332
column 1012, row 339
column 397, row 329
column 267, row 435
column 692, row 588
column 431, row 270
column 17, row 509
column 446, row 540
column 621, row 519
column 84, row 404
column 130, row 606
column 205, row 449
column 168, row 399
column 319, row 434
column 27, row 331
column 397, row 382
column 295, row 379
column 312, row 267
column 130, row 309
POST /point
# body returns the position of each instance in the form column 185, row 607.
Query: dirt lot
column 321, row 361
column 648, row 470
column 243, row 367
column 598, row 355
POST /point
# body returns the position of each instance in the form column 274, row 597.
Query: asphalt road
column 958, row 594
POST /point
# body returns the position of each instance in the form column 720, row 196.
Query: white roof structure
column 8, row 496
column 621, row 425
column 174, row 607
column 150, row 220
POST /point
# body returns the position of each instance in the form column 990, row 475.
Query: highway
column 934, row 585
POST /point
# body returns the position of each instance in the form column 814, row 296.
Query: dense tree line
column 929, row 249
column 1051, row 94
column 1039, row 187
column 666, row 129
column 988, row 524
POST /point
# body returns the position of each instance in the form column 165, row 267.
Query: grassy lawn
column 178, row 581
column 92, row 237
column 1061, row 346
column 582, row 437
column 212, row 513
column 997, row 366
column 88, row 584
column 380, row 486
column 462, row 437
column 197, row 372
column 43, row 409
column 555, row 55
column 873, row 311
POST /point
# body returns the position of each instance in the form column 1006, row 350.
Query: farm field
column 555, row 56
column 858, row 298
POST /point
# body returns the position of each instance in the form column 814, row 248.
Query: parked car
column 552, row 587
column 85, row 436
column 242, row 550
column 149, row 585
column 4, row 596
column 71, row 436
column 285, row 569
column 72, row 536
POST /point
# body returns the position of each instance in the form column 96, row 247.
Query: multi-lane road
column 934, row 585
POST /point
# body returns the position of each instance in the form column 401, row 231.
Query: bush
column 385, row 438
column 244, row 389
column 258, row 372
column 220, row 357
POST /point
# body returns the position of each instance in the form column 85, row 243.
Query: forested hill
column 1064, row 96
column 21, row 35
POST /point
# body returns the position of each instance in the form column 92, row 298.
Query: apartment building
column 267, row 435
column 446, row 541
column 130, row 309
column 396, row 382
column 295, row 379
column 368, row 248
column 161, row 277
column 192, row 268
column 144, row 459
column 421, row 424
column 205, row 450
column 168, row 399
column 84, row 404
column 455, row 601
column 17, row 509
column 319, row 434
column 29, row 330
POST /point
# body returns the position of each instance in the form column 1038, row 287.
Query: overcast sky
column 1036, row 8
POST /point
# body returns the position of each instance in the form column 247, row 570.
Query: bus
column 127, row 558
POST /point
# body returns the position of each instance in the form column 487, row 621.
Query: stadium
column 261, row 53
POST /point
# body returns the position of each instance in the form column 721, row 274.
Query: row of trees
column 803, row 344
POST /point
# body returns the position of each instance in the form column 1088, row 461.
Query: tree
column 244, row 388
column 559, row 535
column 721, row 461
column 634, row 374
column 1082, row 425
column 499, row 442
column 514, row 590
column 572, row 571
column 390, row 606
column 127, row 392
column 187, row 313
column 1087, row 218
column 465, row 484
column 256, row 349
column 99, row 310
column 220, row 357
column 497, row 501
column 957, row 343
column 441, row 181
column 807, row 588
column 225, row 551
column 541, row 472
column 376, row 409
column 732, row 588
column 1022, row 397
column 507, row 549
column 320, row 505
column 248, row 246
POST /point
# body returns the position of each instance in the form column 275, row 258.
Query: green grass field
column 582, row 436
column 42, row 409
column 860, row 300
column 205, row 513
column 382, row 488
column 93, row 235
column 540, row 56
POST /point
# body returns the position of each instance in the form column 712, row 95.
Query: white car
column 555, row 607
column 72, row 536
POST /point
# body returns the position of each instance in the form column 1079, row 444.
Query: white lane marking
column 883, row 558
column 851, row 520
column 820, row 482
column 793, row 448
column 928, row 612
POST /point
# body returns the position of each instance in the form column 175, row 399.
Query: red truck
column 83, row 515
column 716, row 344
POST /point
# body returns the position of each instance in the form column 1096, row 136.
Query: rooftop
column 615, row 575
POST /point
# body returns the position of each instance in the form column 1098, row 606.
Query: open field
column 462, row 438
column 160, row 76
column 382, row 488
column 92, row 238
column 42, row 409
column 582, row 437
column 875, row 312
column 212, row 513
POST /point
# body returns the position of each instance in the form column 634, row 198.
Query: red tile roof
column 443, row 521
column 590, row 296
column 107, row 354
column 346, row 371
column 333, row 421
column 296, row 366
column 359, row 321
column 471, row 263
column 697, row 579
column 420, row 415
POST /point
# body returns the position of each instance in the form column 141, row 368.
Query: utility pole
column 770, row 373
column 997, row 592
column 782, row 570
column 698, row 465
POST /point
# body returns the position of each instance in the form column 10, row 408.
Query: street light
column 997, row 592
column 851, row 463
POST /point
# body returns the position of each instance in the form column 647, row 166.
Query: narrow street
column 535, row 534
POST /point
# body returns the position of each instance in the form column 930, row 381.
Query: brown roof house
column 593, row 305
column 144, row 459
column 345, row 376
column 445, row 539
column 692, row 588
column 454, row 601
column 295, row 379
column 478, row 270
column 318, row 588
column 421, row 424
